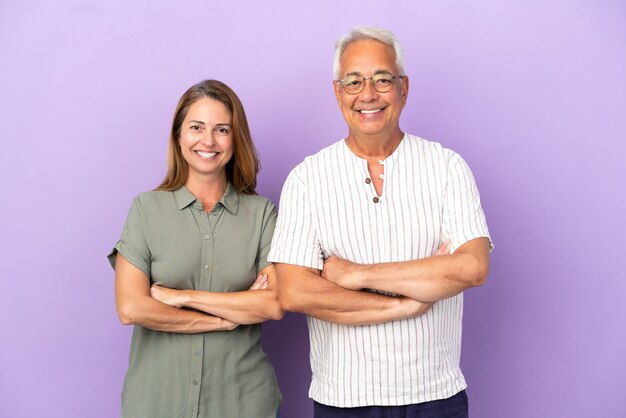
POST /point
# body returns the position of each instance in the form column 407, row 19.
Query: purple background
column 531, row 93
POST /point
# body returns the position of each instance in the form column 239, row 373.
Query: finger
column 444, row 248
column 258, row 282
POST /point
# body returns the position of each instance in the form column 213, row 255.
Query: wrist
column 186, row 298
column 409, row 308
column 226, row 325
column 361, row 276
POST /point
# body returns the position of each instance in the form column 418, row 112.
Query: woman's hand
column 226, row 325
column 179, row 299
column 444, row 248
column 260, row 283
column 172, row 297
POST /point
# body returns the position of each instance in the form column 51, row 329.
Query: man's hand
column 342, row 272
column 346, row 273
column 414, row 307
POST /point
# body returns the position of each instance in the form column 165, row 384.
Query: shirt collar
column 230, row 199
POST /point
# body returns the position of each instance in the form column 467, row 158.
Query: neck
column 379, row 146
column 208, row 191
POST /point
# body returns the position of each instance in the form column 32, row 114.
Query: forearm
column 429, row 279
column 308, row 293
column 247, row 307
column 136, row 307
column 150, row 313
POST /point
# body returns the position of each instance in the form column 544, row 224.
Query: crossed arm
column 427, row 279
column 159, row 308
column 335, row 295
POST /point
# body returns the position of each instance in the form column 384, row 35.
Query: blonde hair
column 242, row 168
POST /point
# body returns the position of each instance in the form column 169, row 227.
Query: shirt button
column 206, row 266
column 196, row 352
column 206, row 237
column 195, row 383
column 368, row 180
column 376, row 199
column 214, row 213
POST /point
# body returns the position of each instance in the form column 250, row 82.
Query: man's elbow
column 479, row 272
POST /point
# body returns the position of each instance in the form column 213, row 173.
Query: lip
column 372, row 113
column 206, row 155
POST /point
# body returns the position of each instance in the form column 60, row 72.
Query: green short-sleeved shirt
column 177, row 244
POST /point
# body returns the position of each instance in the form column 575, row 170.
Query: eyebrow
column 375, row 73
column 204, row 123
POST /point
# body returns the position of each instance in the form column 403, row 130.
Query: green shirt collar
column 230, row 199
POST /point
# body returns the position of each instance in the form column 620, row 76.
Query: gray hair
column 361, row 33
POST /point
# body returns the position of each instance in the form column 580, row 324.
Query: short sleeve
column 133, row 245
column 267, row 232
column 463, row 217
column 295, row 239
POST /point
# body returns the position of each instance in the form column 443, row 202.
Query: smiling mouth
column 204, row 154
column 370, row 111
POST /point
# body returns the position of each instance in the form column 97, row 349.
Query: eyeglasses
column 382, row 83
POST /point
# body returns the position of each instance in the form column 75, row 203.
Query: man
column 378, row 235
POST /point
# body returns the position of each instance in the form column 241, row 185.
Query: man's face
column 370, row 112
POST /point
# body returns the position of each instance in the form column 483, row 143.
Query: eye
column 222, row 130
column 352, row 81
column 194, row 127
column 383, row 80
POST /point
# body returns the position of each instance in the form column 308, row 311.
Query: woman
column 185, row 271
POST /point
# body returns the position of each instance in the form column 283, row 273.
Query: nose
column 368, row 93
column 208, row 139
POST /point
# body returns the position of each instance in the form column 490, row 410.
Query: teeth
column 370, row 111
column 206, row 154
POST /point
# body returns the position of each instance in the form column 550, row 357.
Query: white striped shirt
column 327, row 208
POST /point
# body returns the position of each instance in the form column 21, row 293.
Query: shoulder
column 424, row 146
column 256, row 206
column 153, row 198
column 312, row 164
column 154, row 205
column 255, row 201
column 433, row 150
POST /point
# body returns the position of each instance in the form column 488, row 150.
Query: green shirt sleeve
column 133, row 245
column 269, row 223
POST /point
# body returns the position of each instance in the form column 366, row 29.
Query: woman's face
column 206, row 138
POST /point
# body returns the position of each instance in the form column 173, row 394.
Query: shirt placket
column 382, row 210
column 207, row 222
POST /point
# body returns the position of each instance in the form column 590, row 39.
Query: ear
column 337, row 87
column 405, row 89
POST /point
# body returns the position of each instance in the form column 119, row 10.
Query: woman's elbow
column 277, row 313
column 127, row 313
column 288, row 301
